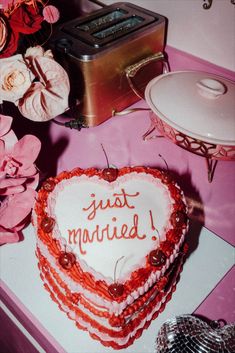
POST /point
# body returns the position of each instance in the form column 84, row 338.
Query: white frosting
column 140, row 206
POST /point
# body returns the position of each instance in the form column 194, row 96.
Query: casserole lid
column 198, row 104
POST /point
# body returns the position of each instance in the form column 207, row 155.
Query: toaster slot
column 120, row 27
column 107, row 25
column 96, row 23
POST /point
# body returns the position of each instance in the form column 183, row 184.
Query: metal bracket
column 211, row 165
column 208, row 4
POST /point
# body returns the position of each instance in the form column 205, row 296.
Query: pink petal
column 5, row 124
column 26, row 150
column 16, row 208
column 49, row 97
column 32, row 182
column 9, row 140
column 12, row 190
column 27, row 172
column 2, row 150
column 11, row 182
column 8, row 236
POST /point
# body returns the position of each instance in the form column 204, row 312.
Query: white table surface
column 209, row 261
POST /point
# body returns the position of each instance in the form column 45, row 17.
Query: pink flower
column 17, row 165
column 7, row 135
column 5, row 124
column 18, row 180
column 14, row 213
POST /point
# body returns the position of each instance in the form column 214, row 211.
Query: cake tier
column 116, row 331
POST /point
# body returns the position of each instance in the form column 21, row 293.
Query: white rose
column 15, row 78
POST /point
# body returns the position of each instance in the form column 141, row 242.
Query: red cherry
column 47, row 224
column 157, row 258
column 110, row 174
column 67, row 260
column 116, row 290
column 178, row 219
column 48, row 185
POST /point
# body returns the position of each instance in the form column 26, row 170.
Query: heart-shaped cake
column 189, row 334
column 110, row 245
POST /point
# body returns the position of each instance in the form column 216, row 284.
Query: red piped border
column 58, row 297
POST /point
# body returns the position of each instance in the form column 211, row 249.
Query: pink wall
column 180, row 60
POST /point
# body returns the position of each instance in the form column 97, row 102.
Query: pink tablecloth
column 211, row 204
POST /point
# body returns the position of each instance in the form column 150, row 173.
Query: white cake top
column 102, row 222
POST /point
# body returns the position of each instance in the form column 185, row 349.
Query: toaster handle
column 132, row 70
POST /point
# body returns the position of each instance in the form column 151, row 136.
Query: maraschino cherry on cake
column 110, row 247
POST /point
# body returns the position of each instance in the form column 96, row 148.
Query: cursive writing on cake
column 120, row 200
column 113, row 229
column 81, row 237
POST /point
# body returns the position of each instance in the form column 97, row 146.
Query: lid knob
column 211, row 88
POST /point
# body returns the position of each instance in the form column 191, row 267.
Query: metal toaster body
column 96, row 49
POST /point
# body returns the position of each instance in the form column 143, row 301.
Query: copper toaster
column 103, row 53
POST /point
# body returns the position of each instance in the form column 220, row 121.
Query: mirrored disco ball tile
column 188, row 334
